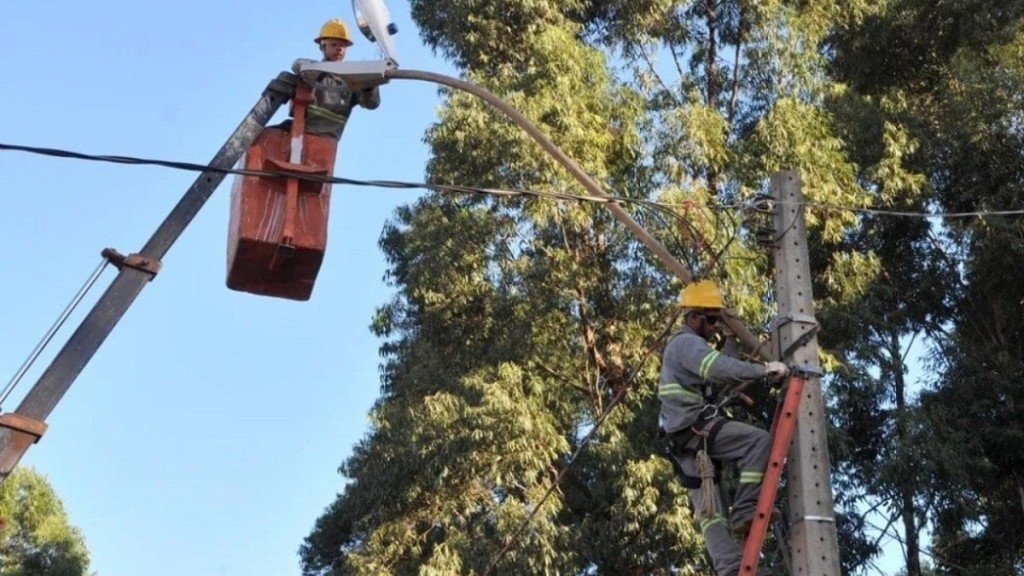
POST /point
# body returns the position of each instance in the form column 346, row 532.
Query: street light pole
column 582, row 177
column 737, row 326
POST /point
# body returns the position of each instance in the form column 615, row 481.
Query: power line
column 189, row 166
column 659, row 206
column 663, row 207
column 897, row 213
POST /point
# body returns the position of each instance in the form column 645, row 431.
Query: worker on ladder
column 698, row 437
column 333, row 102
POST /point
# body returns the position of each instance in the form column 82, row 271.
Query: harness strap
column 676, row 444
column 713, row 431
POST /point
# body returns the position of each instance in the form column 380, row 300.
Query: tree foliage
column 517, row 324
column 35, row 536
column 951, row 72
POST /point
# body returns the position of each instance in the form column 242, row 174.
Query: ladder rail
column 783, row 428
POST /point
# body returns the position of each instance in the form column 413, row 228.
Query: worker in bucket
column 332, row 101
column 698, row 437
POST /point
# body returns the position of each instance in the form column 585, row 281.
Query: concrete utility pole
column 813, row 543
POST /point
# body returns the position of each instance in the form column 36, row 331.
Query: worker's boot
column 741, row 527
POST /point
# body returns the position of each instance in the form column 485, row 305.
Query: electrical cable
column 653, row 207
column 897, row 213
column 188, row 166
column 664, row 207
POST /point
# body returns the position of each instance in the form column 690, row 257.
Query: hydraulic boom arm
column 23, row 427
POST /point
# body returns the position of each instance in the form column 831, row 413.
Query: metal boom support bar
column 24, row 427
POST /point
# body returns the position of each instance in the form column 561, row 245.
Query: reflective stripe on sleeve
column 671, row 389
column 705, row 364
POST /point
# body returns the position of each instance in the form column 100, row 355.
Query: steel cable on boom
column 61, row 319
column 583, row 444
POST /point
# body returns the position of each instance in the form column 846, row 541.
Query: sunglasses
column 711, row 318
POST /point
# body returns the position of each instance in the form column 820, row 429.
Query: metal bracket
column 807, row 368
column 23, row 424
column 804, row 338
column 801, row 341
column 24, row 432
column 828, row 519
column 798, row 318
column 139, row 262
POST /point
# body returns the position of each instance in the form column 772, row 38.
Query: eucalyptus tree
column 519, row 323
column 951, row 74
column 978, row 151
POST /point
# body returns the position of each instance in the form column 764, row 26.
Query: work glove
column 776, row 369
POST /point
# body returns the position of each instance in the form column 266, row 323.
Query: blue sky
column 205, row 435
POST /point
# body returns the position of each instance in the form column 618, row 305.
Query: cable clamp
column 138, row 261
column 797, row 318
column 809, row 368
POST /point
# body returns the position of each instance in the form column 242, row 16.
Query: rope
column 706, row 507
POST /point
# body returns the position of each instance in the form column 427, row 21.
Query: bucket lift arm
column 23, row 427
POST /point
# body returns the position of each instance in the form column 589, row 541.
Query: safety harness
column 678, row 444
column 708, row 471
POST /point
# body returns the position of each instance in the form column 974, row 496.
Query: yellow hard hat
column 334, row 29
column 703, row 294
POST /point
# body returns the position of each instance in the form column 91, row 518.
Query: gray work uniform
column 691, row 373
